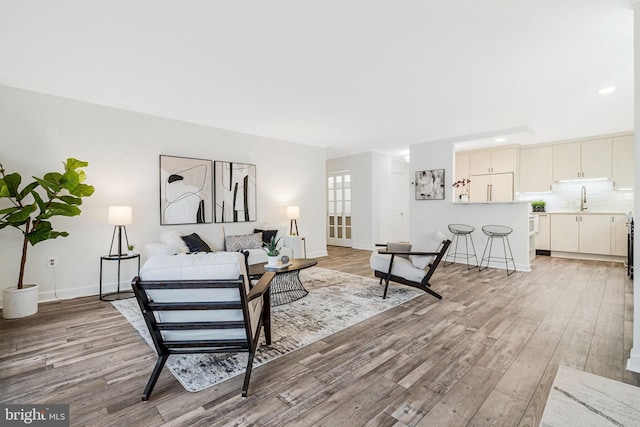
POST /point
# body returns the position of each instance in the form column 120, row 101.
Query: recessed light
column 606, row 90
column 500, row 139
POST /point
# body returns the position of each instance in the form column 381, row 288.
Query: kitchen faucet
column 583, row 199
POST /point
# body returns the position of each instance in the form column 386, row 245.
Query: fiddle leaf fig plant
column 32, row 206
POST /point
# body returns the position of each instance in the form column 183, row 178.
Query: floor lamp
column 293, row 213
column 119, row 216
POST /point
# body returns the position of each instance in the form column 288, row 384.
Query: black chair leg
column 386, row 286
column 154, row 376
column 247, row 375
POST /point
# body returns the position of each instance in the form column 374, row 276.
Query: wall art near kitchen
column 186, row 193
column 235, row 192
column 430, row 185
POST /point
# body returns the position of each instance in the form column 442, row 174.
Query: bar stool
column 458, row 230
column 497, row 232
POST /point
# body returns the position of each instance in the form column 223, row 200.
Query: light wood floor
column 484, row 355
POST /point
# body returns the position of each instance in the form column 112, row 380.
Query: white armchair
column 204, row 305
column 410, row 264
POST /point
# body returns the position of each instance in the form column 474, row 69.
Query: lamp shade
column 120, row 215
column 293, row 212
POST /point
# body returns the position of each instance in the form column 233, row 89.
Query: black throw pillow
column 266, row 234
column 195, row 243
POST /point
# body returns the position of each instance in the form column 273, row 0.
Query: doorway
column 339, row 217
column 400, row 207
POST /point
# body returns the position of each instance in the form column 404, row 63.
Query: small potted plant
column 538, row 205
column 272, row 251
column 130, row 249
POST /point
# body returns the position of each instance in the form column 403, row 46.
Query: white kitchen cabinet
column 566, row 161
column 595, row 234
column 536, row 169
column 590, row 234
column 596, row 158
column 619, row 235
column 497, row 187
column 587, row 159
column 564, row 233
column 495, row 161
column 543, row 234
column 623, row 150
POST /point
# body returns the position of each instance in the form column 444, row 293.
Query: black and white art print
column 430, row 184
column 235, row 192
column 186, row 193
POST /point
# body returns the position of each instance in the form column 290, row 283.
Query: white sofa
column 215, row 236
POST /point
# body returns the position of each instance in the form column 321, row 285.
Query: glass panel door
column 339, row 208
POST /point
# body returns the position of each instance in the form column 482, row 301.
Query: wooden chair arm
column 262, row 286
column 407, row 253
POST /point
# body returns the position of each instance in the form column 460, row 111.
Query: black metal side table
column 112, row 296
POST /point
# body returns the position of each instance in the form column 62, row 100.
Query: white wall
column 38, row 132
column 439, row 213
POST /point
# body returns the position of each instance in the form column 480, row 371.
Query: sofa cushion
column 428, row 240
column 267, row 235
column 402, row 267
column 195, row 243
column 173, row 238
column 239, row 242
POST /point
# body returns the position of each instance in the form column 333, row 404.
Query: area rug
column 335, row 301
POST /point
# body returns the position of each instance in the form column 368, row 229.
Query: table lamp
column 119, row 216
column 293, row 213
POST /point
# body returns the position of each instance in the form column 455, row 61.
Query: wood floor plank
column 499, row 410
column 459, row 406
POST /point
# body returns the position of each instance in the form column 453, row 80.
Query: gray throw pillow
column 400, row 247
column 239, row 242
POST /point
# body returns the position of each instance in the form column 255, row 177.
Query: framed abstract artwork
column 186, row 193
column 430, row 184
column 234, row 192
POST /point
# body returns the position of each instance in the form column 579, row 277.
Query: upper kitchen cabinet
column 494, row 161
column 587, row 159
column 623, row 155
column 492, row 187
column 536, row 169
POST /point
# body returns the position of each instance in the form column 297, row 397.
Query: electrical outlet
column 564, row 204
column 628, row 196
column 52, row 262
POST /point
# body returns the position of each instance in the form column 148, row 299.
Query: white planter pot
column 273, row 260
column 18, row 303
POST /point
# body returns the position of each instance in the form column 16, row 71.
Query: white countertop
column 580, row 213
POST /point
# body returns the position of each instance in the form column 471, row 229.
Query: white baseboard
column 593, row 257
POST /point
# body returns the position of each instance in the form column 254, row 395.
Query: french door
column 339, row 208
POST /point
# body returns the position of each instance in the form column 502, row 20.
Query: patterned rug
column 336, row 301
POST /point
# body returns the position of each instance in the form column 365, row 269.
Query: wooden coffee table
column 286, row 286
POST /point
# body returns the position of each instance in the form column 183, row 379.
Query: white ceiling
column 350, row 75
